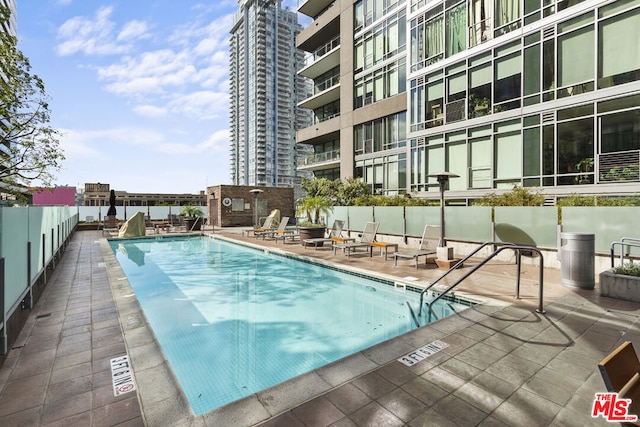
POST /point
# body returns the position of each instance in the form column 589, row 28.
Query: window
column 576, row 57
column 507, row 82
column 456, row 30
column 531, row 152
column 508, row 14
column 620, row 132
column 575, row 143
column 618, row 49
column 480, row 90
column 508, row 149
column 532, row 70
column 479, row 21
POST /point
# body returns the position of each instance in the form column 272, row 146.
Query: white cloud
column 150, row 72
column 187, row 76
column 150, row 111
column 133, row 29
column 203, row 105
column 96, row 144
column 75, row 145
column 96, row 36
column 218, row 142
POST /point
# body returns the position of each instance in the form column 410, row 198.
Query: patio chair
column 368, row 236
column 334, row 233
column 428, row 246
column 282, row 229
column 620, row 372
column 268, row 223
column 110, row 225
column 149, row 225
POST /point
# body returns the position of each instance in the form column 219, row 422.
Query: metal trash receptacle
column 577, row 260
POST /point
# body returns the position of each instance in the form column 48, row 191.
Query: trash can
column 577, row 259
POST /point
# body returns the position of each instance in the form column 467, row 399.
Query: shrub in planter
column 629, row 269
column 622, row 282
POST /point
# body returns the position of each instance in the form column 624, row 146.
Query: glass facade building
column 264, row 95
column 536, row 93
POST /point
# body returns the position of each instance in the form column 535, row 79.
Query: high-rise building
column 264, row 95
column 358, row 66
column 499, row 92
column 9, row 27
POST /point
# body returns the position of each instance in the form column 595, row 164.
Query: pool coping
column 163, row 402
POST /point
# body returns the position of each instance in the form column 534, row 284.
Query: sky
column 138, row 89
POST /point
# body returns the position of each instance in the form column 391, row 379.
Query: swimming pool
column 234, row 320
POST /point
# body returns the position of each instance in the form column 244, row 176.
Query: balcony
column 320, row 161
column 324, row 92
column 313, row 8
column 322, row 60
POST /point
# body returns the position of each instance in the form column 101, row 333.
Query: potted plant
column 312, row 207
column 583, row 167
column 478, row 107
column 193, row 217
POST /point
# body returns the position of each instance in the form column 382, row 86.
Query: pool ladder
column 503, row 246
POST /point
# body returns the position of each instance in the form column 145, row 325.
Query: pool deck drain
column 504, row 364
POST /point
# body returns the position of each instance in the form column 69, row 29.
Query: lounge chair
column 110, row 225
column 282, row 228
column 428, row 246
column 334, row 233
column 287, row 233
column 368, row 236
column 266, row 225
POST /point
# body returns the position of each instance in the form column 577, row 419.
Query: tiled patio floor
column 505, row 364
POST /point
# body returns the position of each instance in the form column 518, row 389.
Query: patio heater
column 255, row 192
column 443, row 179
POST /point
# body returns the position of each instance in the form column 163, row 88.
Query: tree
column 320, row 187
column 30, row 150
column 352, row 189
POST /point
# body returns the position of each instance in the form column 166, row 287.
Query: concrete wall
column 233, row 205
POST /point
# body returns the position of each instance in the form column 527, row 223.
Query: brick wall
column 232, row 205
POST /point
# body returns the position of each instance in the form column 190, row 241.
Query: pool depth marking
column 121, row 375
column 422, row 353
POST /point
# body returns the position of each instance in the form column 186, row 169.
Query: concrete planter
column 193, row 224
column 619, row 286
column 312, row 232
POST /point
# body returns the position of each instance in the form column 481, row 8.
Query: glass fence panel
column 132, row 210
column 121, row 214
column 359, row 216
column 159, row 213
column 527, row 225
column 339, row 213
column 40, row 240
column 89, row 213
column 417, row 217
column 390, row 219
column 49, row 228
column 468, row 223
column 14, row 227
column 608, row 223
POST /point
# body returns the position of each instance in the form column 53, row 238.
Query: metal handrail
column 623, row 243
column 456, row 265
column 413, row 315
column 198, row 218
column 517, row 248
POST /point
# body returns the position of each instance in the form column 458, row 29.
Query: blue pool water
column 233, row 320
